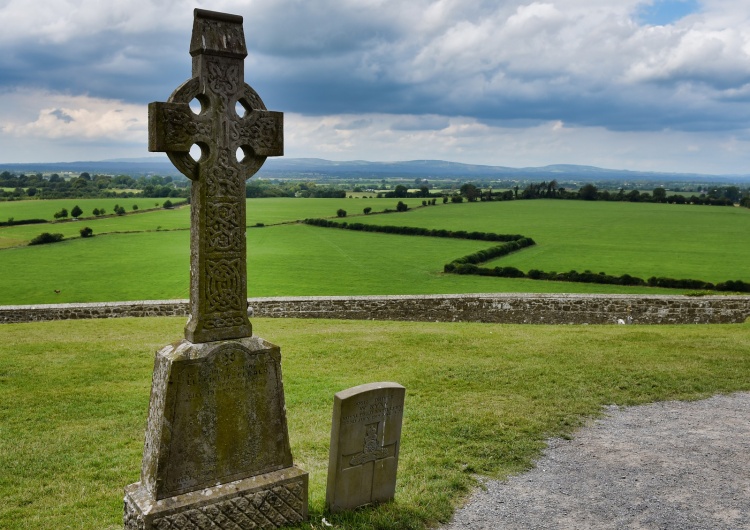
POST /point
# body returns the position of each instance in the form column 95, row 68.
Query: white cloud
column 42, row 115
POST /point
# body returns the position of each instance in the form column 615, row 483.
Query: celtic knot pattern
column 225, row 228
column 223, row 179
column 223, row 322
column 223, row 81
column 182, row 127
column 224, row 285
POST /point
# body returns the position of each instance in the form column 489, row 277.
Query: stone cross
column 235, row 134
column 216, row 452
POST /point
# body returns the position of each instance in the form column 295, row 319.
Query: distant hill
column 316, row 167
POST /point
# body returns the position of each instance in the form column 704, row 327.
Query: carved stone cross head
column 235, row 134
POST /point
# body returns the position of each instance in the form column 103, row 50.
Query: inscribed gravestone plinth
column 365, row 443
column 217, row 453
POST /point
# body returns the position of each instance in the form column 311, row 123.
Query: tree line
column 714, row 196
column 90, row 186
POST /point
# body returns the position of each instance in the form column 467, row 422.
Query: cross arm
column 173, row 127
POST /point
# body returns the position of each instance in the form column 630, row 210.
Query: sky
column 653, row 85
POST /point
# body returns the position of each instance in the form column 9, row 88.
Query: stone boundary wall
column 497, row 308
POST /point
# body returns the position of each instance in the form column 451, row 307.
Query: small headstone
column 216, row 452
column 365, row 443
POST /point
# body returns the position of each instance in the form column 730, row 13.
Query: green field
column 74, row 398
column 145, row 255
column 46, row 209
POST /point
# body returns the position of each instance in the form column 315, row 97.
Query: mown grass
column 481, row 399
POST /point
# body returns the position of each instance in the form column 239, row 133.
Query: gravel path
column 671, row 465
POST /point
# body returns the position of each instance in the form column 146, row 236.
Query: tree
column 587, row 192
column 401, row 206
column 167, row 204
column 62, row 214
column 86, row 232
column 367, row 210
column 135, row 207
column 76, row 212
column 470, row 191
column 96, row 211
column 400, row 191
column 659, row 194
column 340, row 212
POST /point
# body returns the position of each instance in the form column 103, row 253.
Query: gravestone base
column 216, row 453
column 265, row 501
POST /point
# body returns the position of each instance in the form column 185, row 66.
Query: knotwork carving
column 221, row 80
column 225, row 230
column 223, row 179
column 224, row 279
column 182, row 128
column 217, row 233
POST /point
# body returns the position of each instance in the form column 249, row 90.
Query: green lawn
column 699, row 242
column 74, row 398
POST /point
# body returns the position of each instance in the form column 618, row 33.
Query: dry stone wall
column 498, row 308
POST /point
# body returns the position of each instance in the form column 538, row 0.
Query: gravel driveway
column 670, row 465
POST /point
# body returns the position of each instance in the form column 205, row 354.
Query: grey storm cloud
column 567, row 60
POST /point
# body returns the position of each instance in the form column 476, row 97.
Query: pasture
column 145, row 255
column 74, row 398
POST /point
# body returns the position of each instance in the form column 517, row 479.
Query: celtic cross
column 235, row 134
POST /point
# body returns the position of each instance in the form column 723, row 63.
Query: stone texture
column 263, row 501
column 216, row 415
column 497, row 308
column 365, row 443
column 216, row 451
column 232, row 120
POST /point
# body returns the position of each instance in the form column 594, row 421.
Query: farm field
column 145, row 255
column 74, row 398
column 641, row 239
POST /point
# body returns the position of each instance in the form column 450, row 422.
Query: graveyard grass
column 481, row 399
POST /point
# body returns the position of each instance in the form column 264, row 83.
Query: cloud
column 420, row 123
column 432, row 71
column 63, row 116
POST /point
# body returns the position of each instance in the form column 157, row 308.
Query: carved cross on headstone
column 235, row 134
column 373, row 450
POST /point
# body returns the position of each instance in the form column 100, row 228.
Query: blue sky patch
column 663, row 12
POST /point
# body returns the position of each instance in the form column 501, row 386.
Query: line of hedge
column 603, row 278
column 414, row 231
column 470, row 264
column 13, row 222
